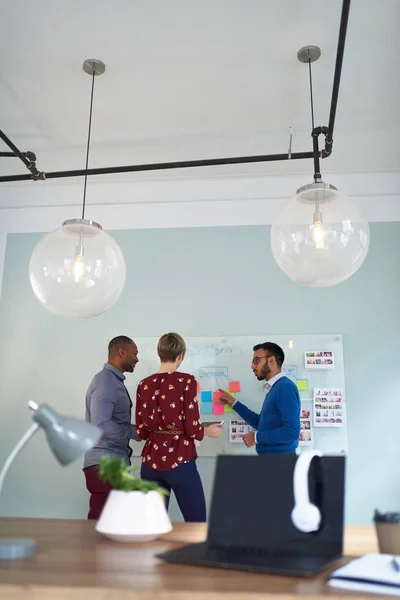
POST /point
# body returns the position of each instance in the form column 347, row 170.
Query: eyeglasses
column 257, row 359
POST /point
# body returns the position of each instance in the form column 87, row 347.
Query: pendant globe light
column 320, row 237
column 78, row 270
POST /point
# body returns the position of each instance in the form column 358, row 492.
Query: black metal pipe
column 15, row 150
column 27, row 160
column 208, row 162
column 336, row 78
column 12, row 155
column 317, row 170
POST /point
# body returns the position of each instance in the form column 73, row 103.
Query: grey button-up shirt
column 108, row 405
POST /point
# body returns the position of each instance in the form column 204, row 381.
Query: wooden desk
column 75, row 563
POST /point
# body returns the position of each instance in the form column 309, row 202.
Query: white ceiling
column 188, row 79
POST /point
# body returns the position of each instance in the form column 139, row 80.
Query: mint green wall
column 206, row 281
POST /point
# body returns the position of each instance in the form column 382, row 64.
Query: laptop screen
column 253, row 499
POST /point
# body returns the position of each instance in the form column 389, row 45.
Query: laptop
column 250, row 526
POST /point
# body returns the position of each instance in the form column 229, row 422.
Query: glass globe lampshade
column 319, row 237
column 77, row 270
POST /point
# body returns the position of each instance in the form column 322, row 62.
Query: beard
column 264, row 373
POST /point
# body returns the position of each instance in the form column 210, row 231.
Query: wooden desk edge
column 15, row 592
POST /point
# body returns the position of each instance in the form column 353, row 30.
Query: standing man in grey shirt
column 108, row 405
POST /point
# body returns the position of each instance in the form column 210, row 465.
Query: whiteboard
column 215, row 361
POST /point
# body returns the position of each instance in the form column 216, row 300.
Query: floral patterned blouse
column 167, row 416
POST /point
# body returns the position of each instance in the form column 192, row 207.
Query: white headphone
column 305, row 515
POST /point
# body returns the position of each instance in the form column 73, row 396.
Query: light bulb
column 77, row 270
column 78, row 265
column 316, row 251
column 317, row 230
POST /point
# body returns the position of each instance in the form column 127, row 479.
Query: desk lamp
column 68, row 439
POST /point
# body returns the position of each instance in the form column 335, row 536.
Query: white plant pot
column 134, row 517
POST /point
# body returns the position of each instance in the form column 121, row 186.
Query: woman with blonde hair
column 168, row 418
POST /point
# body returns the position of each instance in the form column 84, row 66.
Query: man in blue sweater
column 278, row 424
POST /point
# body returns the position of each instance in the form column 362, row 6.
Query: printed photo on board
column 319, row 360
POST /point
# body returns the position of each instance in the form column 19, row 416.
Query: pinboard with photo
column 329, row 407
column 306, row 433
column 319, row 359
column 237, row 429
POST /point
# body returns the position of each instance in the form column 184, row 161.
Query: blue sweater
column 278, row 424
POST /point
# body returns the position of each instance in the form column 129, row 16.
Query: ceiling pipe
column 327, row 131
column 164, row 166
column 29, row 159
column 336, row 77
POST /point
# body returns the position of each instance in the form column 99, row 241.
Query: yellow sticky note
column 227, row 408
column 302, row 385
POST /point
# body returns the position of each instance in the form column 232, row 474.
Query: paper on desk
column 368, row 588
column 372, row 573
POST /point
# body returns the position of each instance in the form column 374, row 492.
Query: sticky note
column 216, row 396
column 230, row 393
column 302, row 385
column 227, row 408
column 234, row 386
column 218, row 408
column 206, row 408
column 206, row 396
column 198, row 388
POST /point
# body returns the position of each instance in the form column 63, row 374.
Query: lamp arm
column 22, row 442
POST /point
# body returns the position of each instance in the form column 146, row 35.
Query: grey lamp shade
column 68, row 438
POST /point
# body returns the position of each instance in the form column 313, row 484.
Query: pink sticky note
column 218, row 408
column 234, row 386
column 216, row 396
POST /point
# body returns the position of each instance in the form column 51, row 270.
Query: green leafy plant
column 114, row 470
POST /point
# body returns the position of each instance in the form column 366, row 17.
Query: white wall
column 130, row 203
column 119, row 203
